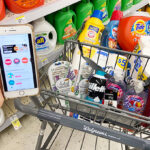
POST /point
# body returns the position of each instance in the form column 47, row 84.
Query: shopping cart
column 97, row 119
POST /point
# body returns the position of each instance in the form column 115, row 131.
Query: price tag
column 15, row 122
column 20, row 20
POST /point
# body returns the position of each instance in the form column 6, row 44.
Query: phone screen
column 17, row 62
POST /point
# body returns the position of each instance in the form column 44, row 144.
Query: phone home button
column 21, row 93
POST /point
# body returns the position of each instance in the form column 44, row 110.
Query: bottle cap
column 117, row 15
column 139, row 86
column 101, row 73
column 97, row 14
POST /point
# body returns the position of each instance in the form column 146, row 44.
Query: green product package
column 113, row 5
column 50, row 18
column 136, row 2
column 126, row 4
column 83, row 11
column 102, row 6
column 65, row 24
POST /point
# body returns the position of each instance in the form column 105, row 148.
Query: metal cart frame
column 123, row 126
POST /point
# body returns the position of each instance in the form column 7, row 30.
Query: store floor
column 65, row 138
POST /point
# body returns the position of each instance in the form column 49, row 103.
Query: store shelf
column 50, row 6
column 137, row 7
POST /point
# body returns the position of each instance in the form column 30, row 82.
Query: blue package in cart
column 62, row 79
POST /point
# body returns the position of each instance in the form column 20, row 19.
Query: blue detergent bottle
column 109, row 36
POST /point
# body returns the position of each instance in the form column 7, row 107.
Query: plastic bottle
column 19, row 6
column 131, row 28
column 135, row 98
column 136, row 2
column 97, row 87
column 126, row 4
column 109, row 36
column 50, row 18
column 148, row 9
column 2, row 117
column 91, row 33
column 43, row 30
column 113, row 5
column 101, row 5
column 65, row 24
column 2, row 10
column 83, row 11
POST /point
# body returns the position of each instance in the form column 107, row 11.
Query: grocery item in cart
column 109, row 36
column 90, row 34
column 113, row 5
column 140, row 65
column 2, row 117
column 131, row 28
column 65, row 24
column 2, row 9
column 19, row 6
column 44, row 44
column 126, row 4
column 101, row 5
column 62, row 78
column 97, row 87
column 135, row 98
column 83, row 11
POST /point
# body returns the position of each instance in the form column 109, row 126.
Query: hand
column 1, row 95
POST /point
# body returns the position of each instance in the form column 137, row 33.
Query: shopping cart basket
column 100, row 120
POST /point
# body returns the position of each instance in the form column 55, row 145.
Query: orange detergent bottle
column 131, row 28
column 2, row 9
column 20, row 6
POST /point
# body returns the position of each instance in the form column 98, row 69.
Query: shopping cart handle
column 25, row 108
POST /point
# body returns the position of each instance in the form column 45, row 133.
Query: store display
column 19, row 6
column 2, row 117
column 113, row 5
column 65, row 24
column 101, row 5
column 90, row 34
column 45, row 37
column 97, row 87
column 135, row 98
column 2, row 9
column 131, row 28
column 83, row 12
column 126, row 4
column 109, row 35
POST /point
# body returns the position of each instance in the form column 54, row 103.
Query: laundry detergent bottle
column 65, row 24
column 131, row 28
column 45, row 36
column 2, row 9
column 90, row 34
column 113, row 5
column 20, row 6
column 101, row 5
column 83, row 11
column 126, row 4
column 109, row 36
column 136, row 2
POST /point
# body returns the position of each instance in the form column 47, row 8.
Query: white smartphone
column 18, row 61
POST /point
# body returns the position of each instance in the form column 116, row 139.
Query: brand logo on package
column 93, row 28
column 40, row 40
column 140, row 26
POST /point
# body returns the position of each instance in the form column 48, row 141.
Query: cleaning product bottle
column 50, row 18
column 136, row 2
column 90, row 34
column 113, row 5
column 83, row 11
column 65, row 24
column 101, row 5
column 97, row 87
column 126, row 4
column 2, row 9
column 20, row 6
column 148, row 9
column 43, row 31
column 131, row 28
column 135, row 98
column 109, row 36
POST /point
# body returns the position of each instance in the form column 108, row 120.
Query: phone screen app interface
column 16, row 59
